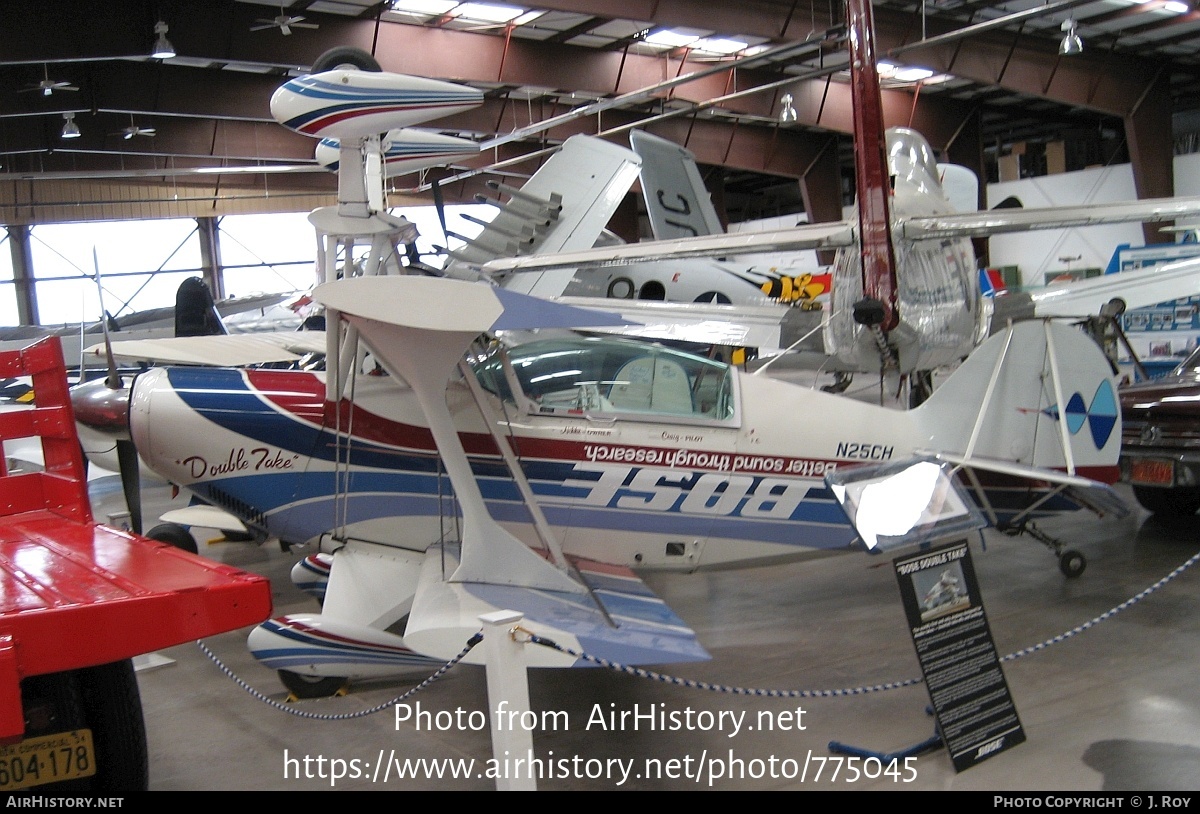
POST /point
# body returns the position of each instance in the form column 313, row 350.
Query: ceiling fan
column 284, row 22
column 47, row 86
column 134, row 130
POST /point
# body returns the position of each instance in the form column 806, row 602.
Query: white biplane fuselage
column 639, row 455
column 635, row 456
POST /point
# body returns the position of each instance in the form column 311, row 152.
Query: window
column 581, row 376
column 141, row 264
column 265, row 254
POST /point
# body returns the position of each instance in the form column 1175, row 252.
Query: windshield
column 604, row 375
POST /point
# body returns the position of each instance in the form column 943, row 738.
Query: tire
column 112, row 706
column 1177, row 501
column 175, row 535
column 621, row 288
column 1071, row 563
column 302, row 686
column 346, row 57
column 106, row 700
column 53, row 703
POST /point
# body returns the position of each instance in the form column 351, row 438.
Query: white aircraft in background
column 939, row 312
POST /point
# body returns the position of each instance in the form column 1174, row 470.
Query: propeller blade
column 127, row 457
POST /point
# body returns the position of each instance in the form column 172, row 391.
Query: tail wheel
column 302, row 686
column 1071, row 563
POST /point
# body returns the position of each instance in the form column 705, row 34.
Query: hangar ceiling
column 566, row 66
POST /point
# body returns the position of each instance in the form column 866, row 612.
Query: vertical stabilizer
column 1039, row 394
column 677, row 201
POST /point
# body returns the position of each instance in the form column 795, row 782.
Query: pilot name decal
column 258, row 459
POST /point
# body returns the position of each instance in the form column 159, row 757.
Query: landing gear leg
column 1070, row 561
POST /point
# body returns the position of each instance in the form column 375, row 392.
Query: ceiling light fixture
column 787, row 113
column 70, row 128
column 1071, row 44
column 163, row 49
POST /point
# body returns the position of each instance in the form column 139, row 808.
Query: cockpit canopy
column 602, row 375
column 912, row 161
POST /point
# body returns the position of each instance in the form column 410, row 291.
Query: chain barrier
column 299, row 713
column 528, row 636
column 891, row 685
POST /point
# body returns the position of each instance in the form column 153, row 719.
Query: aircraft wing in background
column 226, row 350
column 809, row 236
column 1000, row 221
column 1136, row 288
column 769, row 328
column 564, row 206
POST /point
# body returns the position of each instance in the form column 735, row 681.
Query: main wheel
column 303, row 686
column 1177, row 501
column 174, row 534
column 346, row 57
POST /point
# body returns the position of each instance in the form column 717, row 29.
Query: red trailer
column 78, row 600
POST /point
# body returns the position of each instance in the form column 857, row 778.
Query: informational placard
column 975, row 712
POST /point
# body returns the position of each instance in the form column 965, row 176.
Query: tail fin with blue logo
column 1039, row 394
column 1032, row 423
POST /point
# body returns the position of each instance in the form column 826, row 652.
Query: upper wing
column 226, row 350
column 752, row 326
column 999, row 221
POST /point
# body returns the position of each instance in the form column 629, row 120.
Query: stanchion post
column 508, row 702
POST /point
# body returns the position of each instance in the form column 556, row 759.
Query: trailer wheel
column 346, row 57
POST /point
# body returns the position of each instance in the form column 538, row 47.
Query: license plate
column 1152, row 472
column 47, row 759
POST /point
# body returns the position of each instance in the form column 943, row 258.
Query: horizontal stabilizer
column 1090, row 494
column 633, row 627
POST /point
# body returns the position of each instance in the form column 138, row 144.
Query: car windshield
column 607, row 375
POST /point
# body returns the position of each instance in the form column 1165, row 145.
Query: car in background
column 1160, row 440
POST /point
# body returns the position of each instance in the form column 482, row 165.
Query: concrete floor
column 1113, row 707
